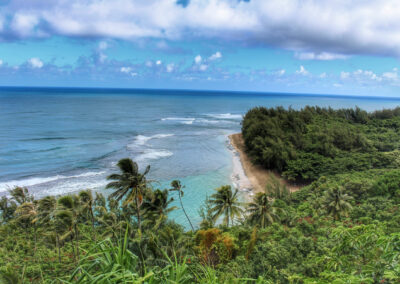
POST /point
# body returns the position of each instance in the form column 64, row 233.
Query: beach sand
column 247, row 176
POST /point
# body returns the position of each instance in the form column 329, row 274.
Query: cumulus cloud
column 281, row 72
column 370, row 78
column 302, row 71
column 23, row 24
column 170, row 67
column 215, row 56
column 36, row 62
column 203, row 67
column 197, row 59
column 325, row 29
column 158, row 62
column 361, row 75
column 1, row 62
column 126, row 69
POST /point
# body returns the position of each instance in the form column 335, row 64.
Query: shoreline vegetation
column 256, row 177
column 342, row 226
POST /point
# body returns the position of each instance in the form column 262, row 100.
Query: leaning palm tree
column 225, row 202
column 21, row 195
column 130, row 183
column 63, row 228
column 176, row 186
column 27, row 213
column 86, row 207
column 337, row 203
column 157, row 208
column 261, row 210
column 71, row 204
column 46, row 208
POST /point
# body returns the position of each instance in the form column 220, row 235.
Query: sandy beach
column 247, row 176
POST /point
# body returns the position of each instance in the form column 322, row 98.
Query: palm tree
column 86, row 202
column 63, row 224
column 27, row 213
column 46, row 208
column 176, row 186
column 225, row 202
column 337, row 203
column 71, row 204
column 261, row 210
column 130, row 184
column 21, row 195
column 156, row 208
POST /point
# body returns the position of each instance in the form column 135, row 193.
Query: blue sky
column 298, row 46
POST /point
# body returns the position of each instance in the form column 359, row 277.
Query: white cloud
column 203, row 67
column 158, row 62
column 281, row 72
column 392, row 75
column 197, row 59
column 325, row 29
column 323, row 75
column 344, row 75
column 1, row 62
column 126, row 69
column 23, row 24
column 215, row 56
column 319, row 56
column 302, row 71
column 36, row 62
column 369, row 77
column 170, row 67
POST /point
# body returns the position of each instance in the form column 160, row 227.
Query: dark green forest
column 313, row 142
column 342, row 226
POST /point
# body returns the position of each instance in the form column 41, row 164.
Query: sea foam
column 34, row 181
column 226, row 116
column 141, row 140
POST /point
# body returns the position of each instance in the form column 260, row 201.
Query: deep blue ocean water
column 59, row 141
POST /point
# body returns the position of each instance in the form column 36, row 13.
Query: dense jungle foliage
column 307, row 144
column 341, row 228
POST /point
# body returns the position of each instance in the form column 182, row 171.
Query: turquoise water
column 59, row 141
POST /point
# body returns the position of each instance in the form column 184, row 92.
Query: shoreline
column 248, row 177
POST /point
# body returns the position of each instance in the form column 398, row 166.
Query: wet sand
column 246, row 175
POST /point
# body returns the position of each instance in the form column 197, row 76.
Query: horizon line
column 183, row 90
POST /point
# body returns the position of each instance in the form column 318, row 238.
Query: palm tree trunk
column 184, row 211
column 138, row 212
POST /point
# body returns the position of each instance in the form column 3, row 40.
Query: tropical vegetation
column 341, row 226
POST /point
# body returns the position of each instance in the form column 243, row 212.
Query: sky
column 349, row 47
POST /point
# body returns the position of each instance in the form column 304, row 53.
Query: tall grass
column 110, row 263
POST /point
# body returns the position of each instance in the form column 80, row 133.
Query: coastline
column 247, row 176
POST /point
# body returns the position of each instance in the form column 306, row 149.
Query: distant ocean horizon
column 61, row 140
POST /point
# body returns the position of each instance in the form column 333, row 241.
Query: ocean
column 58, row 141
